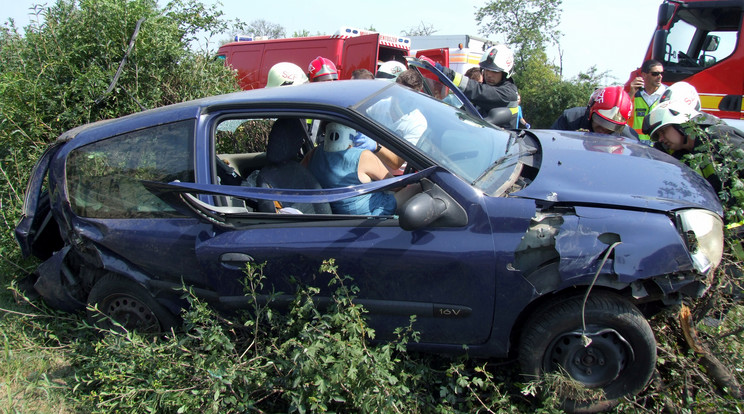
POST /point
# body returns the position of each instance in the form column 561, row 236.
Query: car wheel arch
column 628, row 336
column 122, row 296
column 555, row 297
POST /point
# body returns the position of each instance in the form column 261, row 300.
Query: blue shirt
column 340, row 169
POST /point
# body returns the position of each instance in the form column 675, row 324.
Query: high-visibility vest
column 640, row 110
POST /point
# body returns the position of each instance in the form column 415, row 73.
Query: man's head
column 665, row 124
column 390, row 70
column 338, row 137
column 411, row 78
column 497, row 64
column 652, row 72
column 285, row 73
column 362, row 74
column 609, row 109
column 682, row 92
column 474, row 73
column 322, row 69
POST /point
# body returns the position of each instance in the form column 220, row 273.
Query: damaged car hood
column 594, row 169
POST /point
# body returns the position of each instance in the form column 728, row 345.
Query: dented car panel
column 507, row 228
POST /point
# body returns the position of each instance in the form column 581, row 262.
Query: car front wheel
column 129, row 304
column 615, row 353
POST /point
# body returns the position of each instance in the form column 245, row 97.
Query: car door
column 442, row 273
column 110, row 208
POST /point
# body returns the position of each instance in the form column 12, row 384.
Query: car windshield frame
column 465, row 145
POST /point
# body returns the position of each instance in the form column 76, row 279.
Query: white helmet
column 682, row 92
column 390, row 70
column 498, row 58
column 285, row 73
column 338, row 137
column 668, row 113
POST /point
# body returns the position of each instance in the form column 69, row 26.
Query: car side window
column 104, row 178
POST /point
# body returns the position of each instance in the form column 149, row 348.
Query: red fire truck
column 348, row 48
column 699, row 42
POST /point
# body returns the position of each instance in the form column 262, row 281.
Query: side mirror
column 502, row 117
column 659, row 46
column 711, row 43
column 666, row 11
column 420, row 211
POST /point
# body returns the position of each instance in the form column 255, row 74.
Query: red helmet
column 322, row 69
column 610, row 107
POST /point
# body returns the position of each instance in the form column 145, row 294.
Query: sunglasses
column 655, row 73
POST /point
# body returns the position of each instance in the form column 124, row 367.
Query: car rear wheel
column 129, row 304
column 619, row 360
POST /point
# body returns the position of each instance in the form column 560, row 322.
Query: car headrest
column 285, row 140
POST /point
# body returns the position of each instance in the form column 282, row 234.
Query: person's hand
column 429, row 60
column 364, row 142
column 637, row 83
column 527, row 125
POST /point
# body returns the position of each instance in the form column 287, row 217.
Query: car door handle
column 235, row 260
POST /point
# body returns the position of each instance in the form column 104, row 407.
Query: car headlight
column 702, row 231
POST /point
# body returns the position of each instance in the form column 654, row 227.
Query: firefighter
column 321, row 70
column 646, row 91
column 285, row 74
column 497, row 90
column 607, row 112
column 678, row 129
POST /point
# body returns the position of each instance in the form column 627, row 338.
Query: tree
column 423, row 29
column 262, row 27
column 528, row 26
column 545, row 95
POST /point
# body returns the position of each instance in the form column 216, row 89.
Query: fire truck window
column 700, row 40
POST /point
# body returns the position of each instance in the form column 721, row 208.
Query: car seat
column 283, row 169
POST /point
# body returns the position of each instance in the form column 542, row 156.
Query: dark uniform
column 486, row 97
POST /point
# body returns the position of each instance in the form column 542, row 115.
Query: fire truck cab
column 698, row 41
column 349, row 49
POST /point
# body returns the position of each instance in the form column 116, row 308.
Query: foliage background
column 53, row 77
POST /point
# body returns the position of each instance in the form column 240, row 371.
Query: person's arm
column 371, row 168
column 561, row 123
column 482, row 94
column 389, row 158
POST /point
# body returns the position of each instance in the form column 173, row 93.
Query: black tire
column 620, row 360
column 129, row 304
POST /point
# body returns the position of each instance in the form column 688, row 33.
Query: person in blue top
column 340, row 164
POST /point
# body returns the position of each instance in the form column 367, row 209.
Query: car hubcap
column 132, row 314
column 595, row 365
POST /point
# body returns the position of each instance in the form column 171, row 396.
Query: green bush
column 312, row 358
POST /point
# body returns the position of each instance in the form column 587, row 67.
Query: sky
column 611, row 35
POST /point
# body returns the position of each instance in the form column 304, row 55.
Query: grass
column 35, row 367
column 54, row 363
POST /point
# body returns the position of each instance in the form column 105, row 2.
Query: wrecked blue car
column 532, row 243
